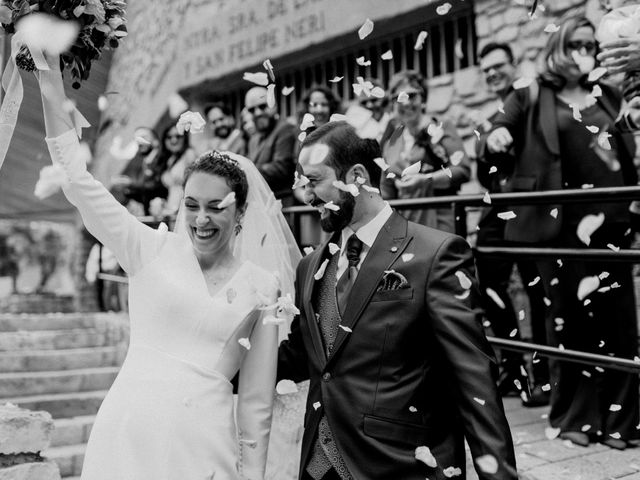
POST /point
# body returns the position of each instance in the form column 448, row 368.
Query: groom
column 389, row 335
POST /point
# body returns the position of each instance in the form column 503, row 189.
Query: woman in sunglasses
column 413, row 137
column 176, row 155
column 561, row 131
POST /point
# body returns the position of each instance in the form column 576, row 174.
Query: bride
column 198, row 297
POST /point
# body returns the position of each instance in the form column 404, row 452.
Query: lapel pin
column 394, row 249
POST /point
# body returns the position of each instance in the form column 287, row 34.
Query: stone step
column 55, row 339
column 15, row 322
column 68, row 381
column 61, row 405
column 48, row 360
column 69, row 459
column 72, row 431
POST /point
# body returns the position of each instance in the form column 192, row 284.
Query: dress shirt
column 367, row 235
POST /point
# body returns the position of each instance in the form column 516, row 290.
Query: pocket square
column 392, row 280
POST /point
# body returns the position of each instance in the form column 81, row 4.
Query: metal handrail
column 592, row 254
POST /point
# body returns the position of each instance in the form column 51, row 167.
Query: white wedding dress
column 170, row 412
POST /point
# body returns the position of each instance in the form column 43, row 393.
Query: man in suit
column 390, row 335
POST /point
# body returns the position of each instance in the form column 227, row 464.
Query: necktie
column 353, row 251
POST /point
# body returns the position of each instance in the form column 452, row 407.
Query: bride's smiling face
column 210, row 227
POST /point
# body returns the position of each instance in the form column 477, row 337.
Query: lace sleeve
column 132, row 242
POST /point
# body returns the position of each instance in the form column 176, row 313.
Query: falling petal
column 495, row 297
column 272, row 320
column 447, row 171
column 307, row 121
column 603, row 275
column 259, row 78
column 302, row 136
column 403, row 97
column 371, row 189
column 587, row 286
column 508, row 215
column 320, row 273
column 576, row 112
column 407, row 257
column 344, row 187
column 596, row 73
column 245, row 343
column 333, row 248
column 443, row 9
column 451, row 472
column 286, row 91
column 546, row 387
column 487, row 464
column 316, row 405
column 603, row 140
column 103, row 103
column 465, row 283
column 422, row 36
column 412, row 169
column 378, row 92
column 299, row 180
column 271, row 95
column 366, row 29
column 614, row 407
column 479, row 400
column 486, row 198
column 381, row 163
column 318, row 153
column 588, row 225
column 551, row 432
column 191, row 122
column 391, row 175
column 336, row 79
column 362, row 62
column 413, row 409
column 227, row 201
column 285, row 387
column 597, row 91
column 535, row 281
column 388, row 55
column 477, row 134
column 458, row 49
column 177, row 105
column 464, row 295
column 456, row 157
column 554, row 212
column 554, row 281
column 269, row 68
column 47, row 33
column 522, row 82
column 435, row 131
column 308, row 250
column 345, row 328
column 331, row 206
column 424, row 455
column 611, row 246
column 513, row 333
column 551, row 28
column 593, row 128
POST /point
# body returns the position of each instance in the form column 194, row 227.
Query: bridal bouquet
column 101, row 25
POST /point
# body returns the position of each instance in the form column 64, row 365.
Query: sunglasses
column 252, row 110
column 173, row 136
column 577, row 45
column 318, row 105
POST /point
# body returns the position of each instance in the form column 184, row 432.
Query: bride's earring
column 237, row 229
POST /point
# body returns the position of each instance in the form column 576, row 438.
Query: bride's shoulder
column 262, row 280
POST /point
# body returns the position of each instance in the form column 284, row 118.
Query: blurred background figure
column 320, row 102
column 592, row 306
column 225, row 136
column 140, row 182
column 412, row 136
column 175, row 156
column 273, row 148
column 369, row 114
column 499, row 71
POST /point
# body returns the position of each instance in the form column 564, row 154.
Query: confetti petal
column 551, row 432
column 596, row 73
column 496, row 298
column 299, row 180
column 603, row 140
column 456, row 158
column 403, row 97
column 593, row 128
column 345, row 328
column 464, row 295
column 269, row 68
column 451, row 472
column 302, row 136
column 316, row 405
column 177, row 105
column 365, row 30
column 318, row 153
column 245, row 343
column 331, row 206
column 378, row 92
column 412, row 169
column 286, row 91
column 587, row 226
column 465, row 283
column 271, row 95
column 422, row 36
column 285, row 387
column 307, row 251
column 507, row 215
column 336, row 79
column 227, row 201
column 493, row 169
column 338, row 117
column 259, row 78
column 458, row 49
column 487, row 464
column 388, row 55
column 103, row 103
column 535, row 281
column 320, row 273
column 436, row 132
column 362, row 62
column 333, row 248
column 307, row 121
column 381, row 163
column 576, row 112
column 597, row 91
column 407, row 257
column 522, row 82
column 443, row 9
column 347, row 187
column 551, row 28
column 371, row 189
column 587, row 286
column 191, row 122
column 424, row 455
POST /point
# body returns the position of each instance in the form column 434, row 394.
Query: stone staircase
column 63, row 363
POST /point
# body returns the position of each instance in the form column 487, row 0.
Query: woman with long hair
column 561, row 129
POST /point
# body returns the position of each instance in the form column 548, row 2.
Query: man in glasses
column 499, row 72
column 273, row 147
column 225, row 136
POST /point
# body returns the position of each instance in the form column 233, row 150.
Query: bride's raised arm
column 132, row 242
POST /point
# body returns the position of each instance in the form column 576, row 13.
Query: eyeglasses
column 252, row 110
column 497, row 66
column 577, row 45
column 173, row 136
column 318, row 105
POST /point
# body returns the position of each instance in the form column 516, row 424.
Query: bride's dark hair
column 221, row 165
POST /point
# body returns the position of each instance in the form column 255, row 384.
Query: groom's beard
column 336, row 221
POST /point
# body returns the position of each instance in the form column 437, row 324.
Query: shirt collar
column 368, row 232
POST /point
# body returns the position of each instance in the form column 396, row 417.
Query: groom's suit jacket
column 414, row 370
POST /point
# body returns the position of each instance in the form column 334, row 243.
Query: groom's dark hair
column 347, row 149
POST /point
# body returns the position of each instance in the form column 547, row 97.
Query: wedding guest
column 140, row 180
column 274, row 145
column 370, row 116
column 412, row 136
column 320, row 102
column 499, row 71
column 226, row 137
column 563, row 137
column 175, row 157
column 400, row 370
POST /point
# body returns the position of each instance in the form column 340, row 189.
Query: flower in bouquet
column 101, row 25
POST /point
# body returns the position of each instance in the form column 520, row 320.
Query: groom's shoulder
column 431, row 238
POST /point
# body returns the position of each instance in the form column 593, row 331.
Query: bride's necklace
column 216, row 276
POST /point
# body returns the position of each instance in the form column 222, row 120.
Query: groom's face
column 320, row 190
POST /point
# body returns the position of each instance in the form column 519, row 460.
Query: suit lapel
column 547, row 117
column 388, row 246
column 316, row 260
